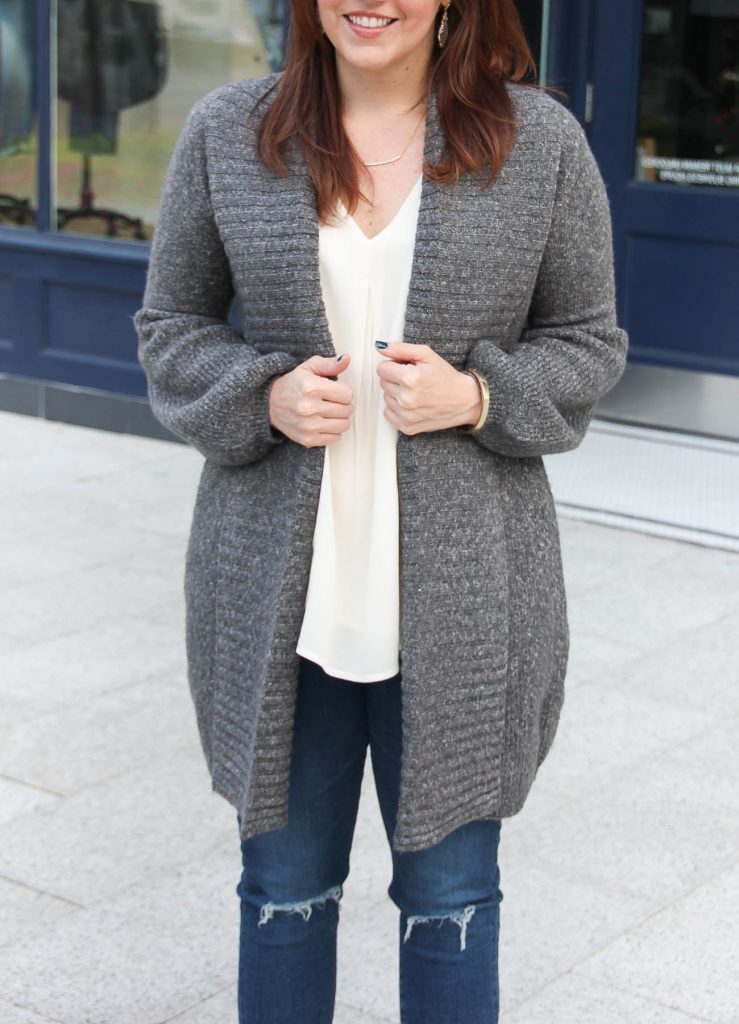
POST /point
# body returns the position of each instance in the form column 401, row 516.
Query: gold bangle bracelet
column 472, row 428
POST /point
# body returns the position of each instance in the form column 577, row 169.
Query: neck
column 381, row 95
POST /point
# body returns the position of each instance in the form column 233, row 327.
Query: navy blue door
column 662, row 115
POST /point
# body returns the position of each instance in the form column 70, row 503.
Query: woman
column 420, row 249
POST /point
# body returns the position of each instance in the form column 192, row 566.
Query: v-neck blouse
column 351, row 621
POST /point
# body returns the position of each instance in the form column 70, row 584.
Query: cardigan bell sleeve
column 205, row 382
column 543, row 392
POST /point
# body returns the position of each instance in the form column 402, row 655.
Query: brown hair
column 486, row 47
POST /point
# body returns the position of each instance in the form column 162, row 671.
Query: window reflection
column 17, row 114
column 689, row 95
column 532, row 13
column 128, row 73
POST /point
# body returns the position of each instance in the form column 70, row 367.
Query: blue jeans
column 448, row 895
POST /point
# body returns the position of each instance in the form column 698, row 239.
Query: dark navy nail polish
column 381, row 344
column 339, row 358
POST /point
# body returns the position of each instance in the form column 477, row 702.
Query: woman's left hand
column 423, row 391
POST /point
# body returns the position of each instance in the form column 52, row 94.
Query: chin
column 370, row 61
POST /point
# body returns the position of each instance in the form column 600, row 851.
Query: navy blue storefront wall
column 676, row 246
column 66, row 301
column 65, row 309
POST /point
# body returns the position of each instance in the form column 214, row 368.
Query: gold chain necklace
column 379, row 163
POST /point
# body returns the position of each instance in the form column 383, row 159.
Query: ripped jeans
column 290, row 889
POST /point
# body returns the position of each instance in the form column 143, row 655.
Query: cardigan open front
column 514, row 279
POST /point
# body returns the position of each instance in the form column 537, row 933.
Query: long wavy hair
column 486, row 46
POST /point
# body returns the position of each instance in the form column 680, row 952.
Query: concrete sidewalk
column 118, row 865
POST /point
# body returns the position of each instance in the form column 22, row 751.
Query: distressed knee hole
column 462, row 918
column 302, row 907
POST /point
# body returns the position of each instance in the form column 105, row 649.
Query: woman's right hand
column 309, row 407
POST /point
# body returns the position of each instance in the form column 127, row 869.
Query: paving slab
column 623, row 730
column 370, row 866
column 684, row 956
column 653, row 605
column 52, row 674
column 84, row 744
column 44, row 453
column 593, row 654
column 573, row 999
column 9, row 645
column 169, row 942
column 18, row 798
column 592, row 557
column 79, row 526
column 25, row 909
column 695, row 671
column 118, row 863
column 16, row 711
column 660, row 829
column 367, row 958
column 107, row 836
column 84, row 598
column 218, row 1009
column 10, row 1014
column 345, row 1014
column 550, row 920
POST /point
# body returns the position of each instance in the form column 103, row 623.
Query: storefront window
column 688, row 130
column 17, row 114
column 535, row 20
column 128, row 71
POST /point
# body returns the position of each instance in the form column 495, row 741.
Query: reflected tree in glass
column 17, row 114
column 129, row 71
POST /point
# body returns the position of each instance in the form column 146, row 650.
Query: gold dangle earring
column 443, row 27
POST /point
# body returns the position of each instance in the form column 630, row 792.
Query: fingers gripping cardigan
column 515, row 280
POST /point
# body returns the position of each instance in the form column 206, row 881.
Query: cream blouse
column 351, row 620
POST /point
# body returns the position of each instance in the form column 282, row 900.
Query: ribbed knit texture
column 484, row 630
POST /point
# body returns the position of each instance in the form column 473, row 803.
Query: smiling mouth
column 369, row 22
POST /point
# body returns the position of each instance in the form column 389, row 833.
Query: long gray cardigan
column 483, row 620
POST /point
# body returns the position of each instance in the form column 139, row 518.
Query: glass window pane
column 532, row 12
column 128, row 71
column 17, row 114
column 688, row 130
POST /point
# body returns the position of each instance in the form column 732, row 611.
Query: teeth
column 366, row 22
